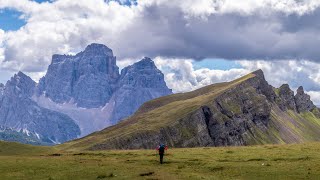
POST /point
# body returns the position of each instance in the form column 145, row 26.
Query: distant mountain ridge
column 246, row 111
column 19, row 112
column 79, row 94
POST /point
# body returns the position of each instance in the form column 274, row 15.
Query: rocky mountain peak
column 300, row 90
column 88, row 78
column 100, row 49
column 287, row 97
column 20, row 84
column 261, row 85
column 145, row 63
column 142, row 79
column 303, row 101
column 259, row 73
column 142, row 74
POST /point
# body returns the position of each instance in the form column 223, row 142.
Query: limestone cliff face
column 247, row 111
column 88, row 78
column 20, row 113
column 138, row 83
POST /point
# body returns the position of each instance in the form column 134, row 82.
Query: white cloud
column 175, row 32
column 61, row 27
column 154, row 28
column 315, row 97
column 1, row 45
column 202, row 8
column 181, row 76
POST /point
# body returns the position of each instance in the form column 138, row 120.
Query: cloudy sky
column 195, row 43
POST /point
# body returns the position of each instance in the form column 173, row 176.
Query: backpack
column 162, row 148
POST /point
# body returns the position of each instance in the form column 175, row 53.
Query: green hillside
column 157, row 113
column 246, row 111
column 14, row 148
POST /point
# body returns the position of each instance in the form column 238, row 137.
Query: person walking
column 161, row 148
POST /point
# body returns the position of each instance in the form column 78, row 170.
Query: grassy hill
column 246, row 111
column 295, row 161
column 14, row 148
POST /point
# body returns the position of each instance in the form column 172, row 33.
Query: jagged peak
column 285, row 88
column 59, row 57
column 21, row 75
column 91, row 49
column 300, row 90
column 258, row 73
column 147, row 59
column 145, row 62
column 98, row 49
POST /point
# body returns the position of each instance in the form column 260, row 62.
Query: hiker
column 161, row 148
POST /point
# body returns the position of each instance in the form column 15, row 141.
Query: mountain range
column 78, row 95
column 246, row 111
column 85, row 95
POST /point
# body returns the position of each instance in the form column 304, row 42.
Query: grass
column 295, row 161
column 13, row 148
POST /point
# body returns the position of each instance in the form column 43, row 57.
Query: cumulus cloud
column 250, row 29
column 176, row 33
column 59, row 27
column 315, row 97
column 181, row 76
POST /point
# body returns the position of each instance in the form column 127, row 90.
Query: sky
column 195, row 43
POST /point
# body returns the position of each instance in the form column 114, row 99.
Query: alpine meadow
column 159, row 90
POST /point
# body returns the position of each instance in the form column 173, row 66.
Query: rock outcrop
column 246, row 111
column 1, row 89
column 287, row 99
column 19, row 112
column 303, row 101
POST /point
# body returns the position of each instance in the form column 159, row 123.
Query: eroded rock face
column 1, row 90
column 19, row 112
column 91, row 80
column 303, row 101
column 192, row 128
column 88, row 78
column 287, row 98
column 138, row 83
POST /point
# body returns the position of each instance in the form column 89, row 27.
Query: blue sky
column 220, row 64
column 10, row 19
